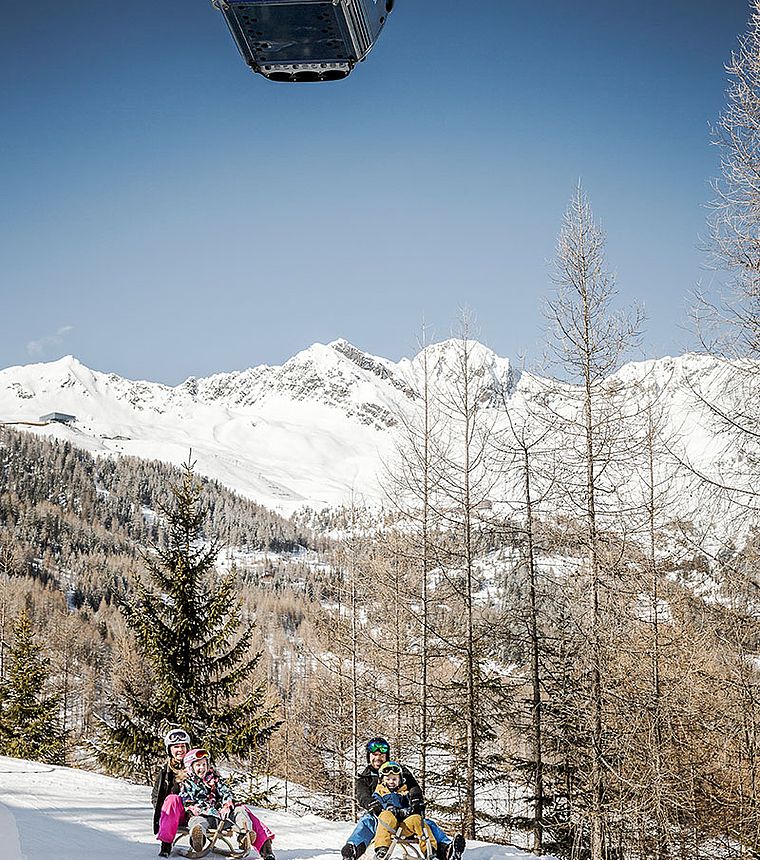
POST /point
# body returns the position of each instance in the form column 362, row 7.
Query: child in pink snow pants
column 173, row 815
column 169, row 809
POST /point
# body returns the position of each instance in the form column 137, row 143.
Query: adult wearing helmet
column 167, row 785
column 378, row 752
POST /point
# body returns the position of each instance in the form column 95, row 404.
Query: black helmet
column 378, row 745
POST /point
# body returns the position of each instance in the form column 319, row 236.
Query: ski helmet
column 193, row 756
column 391, row 768
column 380, row 745
column 176, row 736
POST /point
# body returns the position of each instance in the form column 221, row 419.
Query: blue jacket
column 401, row 798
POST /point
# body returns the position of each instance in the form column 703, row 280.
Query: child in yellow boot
column 396, row 806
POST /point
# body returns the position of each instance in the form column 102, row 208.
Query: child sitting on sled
column 397, row 807
column 208, row 800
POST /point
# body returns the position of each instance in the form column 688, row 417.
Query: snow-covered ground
column 59, row 813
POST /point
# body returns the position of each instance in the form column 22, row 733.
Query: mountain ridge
column 310, row 432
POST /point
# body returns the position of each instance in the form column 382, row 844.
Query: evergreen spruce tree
column 29, row 715
column 187, row 625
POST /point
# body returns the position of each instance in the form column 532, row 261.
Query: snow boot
column 456, row 848
column 166, row 849
column 266, row 851
column 348, row 851
column 381, row 852
column 197, row 838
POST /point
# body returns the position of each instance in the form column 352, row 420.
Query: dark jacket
column 366, row 783
column 167, row 782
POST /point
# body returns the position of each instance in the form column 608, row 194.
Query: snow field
column 60, row 813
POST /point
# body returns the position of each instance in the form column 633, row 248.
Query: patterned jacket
column 205, row 796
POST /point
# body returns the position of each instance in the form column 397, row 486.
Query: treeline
column 83, row 521
column 74, row 531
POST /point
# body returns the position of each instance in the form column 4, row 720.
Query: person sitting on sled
column 208, row 800
column 399, row 810
column 167, row 806
column 378, row 752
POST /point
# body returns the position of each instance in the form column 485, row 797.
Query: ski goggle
column 378, row 746
column 178, row 737
column 194, row 756
column 390, row 768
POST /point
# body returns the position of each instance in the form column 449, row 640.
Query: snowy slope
column 58, row 813
column 313, row 431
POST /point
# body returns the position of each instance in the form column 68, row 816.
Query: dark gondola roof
column 304, row 40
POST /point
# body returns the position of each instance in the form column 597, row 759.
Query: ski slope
column 59, row 813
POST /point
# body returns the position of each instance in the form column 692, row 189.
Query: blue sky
column 166, row 213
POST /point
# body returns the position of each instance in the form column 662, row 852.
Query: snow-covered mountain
column 313, row 431
column 59, row 813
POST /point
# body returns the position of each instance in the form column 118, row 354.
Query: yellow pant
column 411, row 826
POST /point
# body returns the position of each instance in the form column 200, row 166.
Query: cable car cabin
column 304, row 40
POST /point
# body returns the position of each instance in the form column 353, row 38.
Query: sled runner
column 227, row 840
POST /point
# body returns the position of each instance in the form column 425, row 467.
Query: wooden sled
column 222, row 840
column 407, row 847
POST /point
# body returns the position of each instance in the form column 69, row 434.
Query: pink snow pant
column 173, row 814
column 260, row 829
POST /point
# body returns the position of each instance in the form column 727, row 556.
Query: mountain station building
column 59, row 417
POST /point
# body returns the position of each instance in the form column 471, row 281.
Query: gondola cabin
column 304, row 40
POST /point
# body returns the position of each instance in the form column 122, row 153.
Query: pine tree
column 188, row 629
column 29, row 725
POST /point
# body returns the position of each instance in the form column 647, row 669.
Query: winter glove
column 417, row 808
column 376, row 807
column 400, row 813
